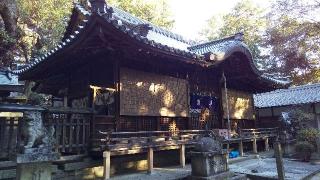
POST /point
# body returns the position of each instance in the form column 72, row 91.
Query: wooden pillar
column 116, row 75
column 227, row 159
column 65, row 101
column 254, row 145
column 241, row 148
column 182, row 156
column 228, row 146
column 150, row 160
column 266, row 144
column 106, row 164
column 279, row 160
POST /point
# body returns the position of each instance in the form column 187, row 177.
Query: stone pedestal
column 211, row 165
column 204, row 164
column 34, row 171
column 35, row 164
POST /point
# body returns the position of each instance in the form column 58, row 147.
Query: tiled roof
column 158, row 38
column 292, row 96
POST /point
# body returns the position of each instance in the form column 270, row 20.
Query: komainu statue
column 209, row 143
column 35, row 133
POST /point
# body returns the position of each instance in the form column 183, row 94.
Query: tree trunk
column 8, row 12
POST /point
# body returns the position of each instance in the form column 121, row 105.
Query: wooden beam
column 228, row 147
column 116, row 76
column 65, row 101
column 150, row 160
column 254, row 145
column 266, row 144
column 106, row 165
column 241, row 148
column 182, row 156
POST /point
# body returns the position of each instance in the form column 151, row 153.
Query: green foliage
column 300, row 119
column 293, row 35
column 309, row 135
column 44, row 22
column 154, row 11
column 5, row 39
column 284, row 40
column 304, row 149
column 6, row 44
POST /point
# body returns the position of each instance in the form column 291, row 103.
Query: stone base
column 224, row 175
column 28, row 171
column 206, row 164
column 36, row 155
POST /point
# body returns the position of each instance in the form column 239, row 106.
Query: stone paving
column 264, row 166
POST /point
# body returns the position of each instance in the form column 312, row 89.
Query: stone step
column 7, row 173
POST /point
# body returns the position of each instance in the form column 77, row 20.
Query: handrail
column 27, row 107
column 19, row 108
column 260, row 129
column 69, row 110
column 150, row 132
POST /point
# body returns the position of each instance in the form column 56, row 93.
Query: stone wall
column 148, row 94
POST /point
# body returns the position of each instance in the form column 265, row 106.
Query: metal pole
column 227, row 103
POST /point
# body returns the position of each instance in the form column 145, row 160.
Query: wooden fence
column 72, row 131
column 9, row 132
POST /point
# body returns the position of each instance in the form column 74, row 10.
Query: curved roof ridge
column 237, row 36
column 133, row 19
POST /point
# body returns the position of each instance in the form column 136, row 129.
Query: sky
column 191, row 15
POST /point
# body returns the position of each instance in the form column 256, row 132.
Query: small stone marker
column 182, row 156
column 150, row 160
column 106, row 164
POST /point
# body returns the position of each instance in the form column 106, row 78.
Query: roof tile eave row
column 305, row 94
column 117, row 24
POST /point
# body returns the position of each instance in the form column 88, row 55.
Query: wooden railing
column 125, row 141
column 260, row 132
column 72, row 129
column 118, row 141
